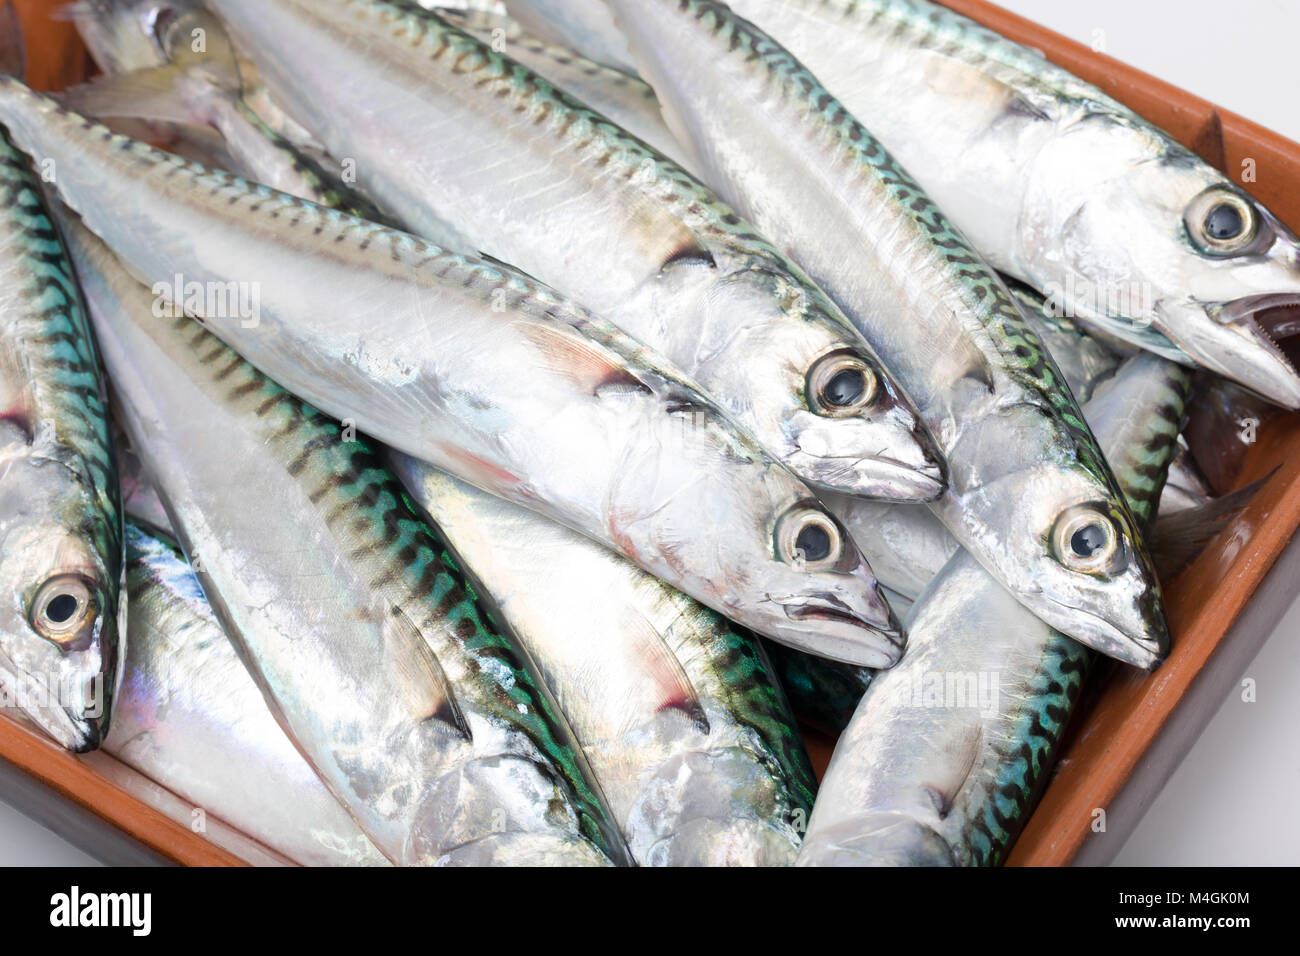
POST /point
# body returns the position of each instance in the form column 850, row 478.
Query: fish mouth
column 71, row 729
column 846, row 635
column 877, row 477
column 1240, row 343
column 1104, row 637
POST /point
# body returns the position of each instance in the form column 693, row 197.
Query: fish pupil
column 1224, row 222
column 815, row 542
column 61, row 608
column 1088, row 540
column 846, row 387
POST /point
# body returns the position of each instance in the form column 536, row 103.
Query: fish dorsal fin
column 571, row 354
column 439, row 701
column 673, row 688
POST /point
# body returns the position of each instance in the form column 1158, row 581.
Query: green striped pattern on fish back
column 1143, row 466
column 67, row 386
column 314, row 183
column 1023, row 357
column 990, row 816
column 413, row 567
column 603, row 147
column 749, row 686
column 934, row 27
column 409, row 256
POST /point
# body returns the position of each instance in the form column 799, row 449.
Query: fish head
column 1072, row 553
column 826, row 404
column 821, row 595
column 1176, row 258
column 741, row 534
column 59, row 628
column 126, row 35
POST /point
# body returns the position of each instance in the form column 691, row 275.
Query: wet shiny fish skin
column 477, row 153
column 685, row 728
column 907, row 546
column 377, row 658
column 409, row 343
column 203, row 88
column 127, row 35
column 1057, row 183
column 921, row 778
column 191, row 718
column 586, row 25
column 1083, row 359
column 1023, row 466
column 60, row 511
column 625, row 99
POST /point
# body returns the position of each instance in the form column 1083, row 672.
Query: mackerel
column 61, row 622
column 625, row 99
column 1030, row 494
column 1057, row 183
column 947, row 753
column 191, row 718
column 685, row 728
column 372, row 649
column 476, row 152
column 478, row 370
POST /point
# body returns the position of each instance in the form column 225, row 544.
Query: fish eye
column 63, row 609
column 809, row 538
column 841, row 384
column 1086, row 539
column 1221, row 222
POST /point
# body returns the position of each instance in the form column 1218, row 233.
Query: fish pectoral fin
column 569, row 353
column 433, row 697
column 960, row 756
column 673, row 688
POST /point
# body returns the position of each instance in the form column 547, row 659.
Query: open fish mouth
column 875, row 477
column 1269, row 317
column 1241, row 343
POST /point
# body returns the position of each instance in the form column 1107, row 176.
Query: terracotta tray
column 1124, row 718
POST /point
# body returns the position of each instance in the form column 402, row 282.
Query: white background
column 1233, row 801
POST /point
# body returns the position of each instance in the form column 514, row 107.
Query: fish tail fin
column 1180, row 536
column 13, row 51
column 151, row 94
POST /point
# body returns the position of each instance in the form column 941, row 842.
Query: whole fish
column 948, row 751
column 1029, row 493
column 60, row 517
column 478, row 153
column 686, row 731
column 374, row 653
column 480, row 371
column 200, row 85
column 625, row 99
column 191, row 718
column 1056, row 183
